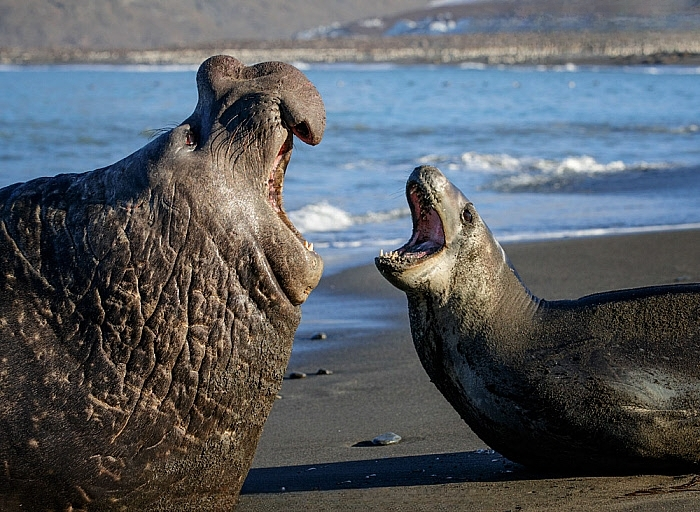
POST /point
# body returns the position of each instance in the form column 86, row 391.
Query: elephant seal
column 608, row 383
column 148, row 308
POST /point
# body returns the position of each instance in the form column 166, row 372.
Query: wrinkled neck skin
column 469, row 323
column 199, row 214
column 162, row 301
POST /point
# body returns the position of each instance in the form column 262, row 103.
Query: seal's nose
column 303, row 131
column 301, row 105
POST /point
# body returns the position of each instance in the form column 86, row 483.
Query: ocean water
column 543, row 152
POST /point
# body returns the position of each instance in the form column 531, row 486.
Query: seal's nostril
column 302, row 131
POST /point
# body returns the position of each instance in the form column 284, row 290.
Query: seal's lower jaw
column 426, row 242
column 302, row 266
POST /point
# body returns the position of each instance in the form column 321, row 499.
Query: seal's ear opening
column 191, row 139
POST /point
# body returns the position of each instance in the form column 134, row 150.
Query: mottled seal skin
column 147, row 309
column 608, row 383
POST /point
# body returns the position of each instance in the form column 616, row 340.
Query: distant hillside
column 139, row 24
column 150, row 24
column 443, row 17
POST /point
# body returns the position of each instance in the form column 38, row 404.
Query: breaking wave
column 530, row 174
column 324, row 217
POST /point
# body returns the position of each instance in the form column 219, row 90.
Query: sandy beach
column 316, row 451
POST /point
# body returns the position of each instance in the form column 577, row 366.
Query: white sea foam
column 323, row 217
column 499, row 162
column 593, row 232
column 511, row 172
column 386, row 216
column 473, row 65
column 320, row 217
column 691, row 128
column 573, row 164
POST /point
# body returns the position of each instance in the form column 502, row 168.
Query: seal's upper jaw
column 275, row 185
column 295, row 264
column 297, row 270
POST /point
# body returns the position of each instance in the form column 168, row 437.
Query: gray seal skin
column 608, row 383
column 148, row 308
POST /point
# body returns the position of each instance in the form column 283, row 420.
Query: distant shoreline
column 521, row 48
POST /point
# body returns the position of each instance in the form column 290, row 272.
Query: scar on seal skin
column 607, row 383
column 148, row 309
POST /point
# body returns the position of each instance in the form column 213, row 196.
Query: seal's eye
column 190, row 138
column 467, row 216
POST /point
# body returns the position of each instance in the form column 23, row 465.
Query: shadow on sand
column 475, row 466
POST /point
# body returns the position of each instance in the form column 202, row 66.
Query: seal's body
column 147, row 309
column 606, row 383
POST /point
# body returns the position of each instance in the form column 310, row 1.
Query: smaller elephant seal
column 148, row 308
column 608, row 383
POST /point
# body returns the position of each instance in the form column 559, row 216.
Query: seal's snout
column 302, row 109
column 251, row 115
column 428, row 238
column 301, row 105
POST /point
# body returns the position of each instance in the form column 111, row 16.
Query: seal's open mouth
column 275, row 184
column 428, row 236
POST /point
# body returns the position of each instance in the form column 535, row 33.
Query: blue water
column 542, row 152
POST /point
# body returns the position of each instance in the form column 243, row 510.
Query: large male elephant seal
column 606, row 383
column 147, row 309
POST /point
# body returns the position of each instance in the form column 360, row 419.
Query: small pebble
column 323, row 371
column 385, row 439
column 319, row 336
column 297, row 375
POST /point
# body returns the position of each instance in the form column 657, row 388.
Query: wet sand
column 316, row 454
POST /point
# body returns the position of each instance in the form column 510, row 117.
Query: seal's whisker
column 396, row 195
column 152, row 133
column 242, row 144
column 224, row 140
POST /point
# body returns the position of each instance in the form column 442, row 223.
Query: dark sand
column 315, row 454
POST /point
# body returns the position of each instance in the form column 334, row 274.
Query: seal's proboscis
column 148, row 308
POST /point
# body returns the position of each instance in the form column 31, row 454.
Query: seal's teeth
column 308, row 246
column 390, row 255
